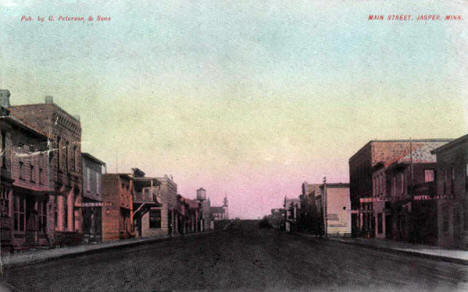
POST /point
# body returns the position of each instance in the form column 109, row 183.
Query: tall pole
column 325, row 217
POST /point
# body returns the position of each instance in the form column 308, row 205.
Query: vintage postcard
column 234, row 145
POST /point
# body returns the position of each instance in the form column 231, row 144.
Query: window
column 59, row 152
column 5, row 203
column 73, row 159
column 21, row 170
column 98, row 182
column 41, row 171
column 402, row 183
column 42, row 215
column 445, row 223
column 32, row 175
column 67, row 147
column 4, row 149
column 88, row 179
column 394, row 187
column 155, row 219
column 379, row 223
column 428, row 175
column 452, row 180
column 445, row 182
column 19, row 206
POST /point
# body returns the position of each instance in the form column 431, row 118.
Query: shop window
column 5, row 203
column 42, row 210
column 379, row 223
column 19, row 213
column 428, row 175
column 155, row 219
column 445, row 218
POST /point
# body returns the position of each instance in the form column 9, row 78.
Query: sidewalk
column 427, row 251
column 44, row 255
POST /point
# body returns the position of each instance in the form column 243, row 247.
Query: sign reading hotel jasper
column 233, row 145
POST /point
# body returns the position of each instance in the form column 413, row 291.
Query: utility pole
column 324, row 199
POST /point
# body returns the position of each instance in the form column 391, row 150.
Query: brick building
column 117, row 214
column 452, row 191
column 361, row 167
column 64, row 172
column 403, row 195
column 92, row 197
column 25, row 219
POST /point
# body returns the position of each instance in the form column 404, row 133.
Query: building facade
column 168, row 191
column 26, row 219
column 310, row 216
column 361, row 168
column 291, row 207
column 92, row 197
column 147, row 205
column 337, row 206
column 117, row 213
column 452, row 191
column 65, row 173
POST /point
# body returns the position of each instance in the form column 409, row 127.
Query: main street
column 243, row 257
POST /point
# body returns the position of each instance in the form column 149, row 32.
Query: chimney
column 4, row 98
column 49, row 99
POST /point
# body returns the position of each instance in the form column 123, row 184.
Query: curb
column 398, row 251
column 96, row 250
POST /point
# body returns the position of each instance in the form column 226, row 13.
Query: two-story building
column 117, row 213
column 409, row 200
column 452, row 190
column 64, row 172
column 147, row 205
column 362, row 179
column 92, row 197
column 25, row 217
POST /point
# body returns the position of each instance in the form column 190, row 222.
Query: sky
column 247, row 99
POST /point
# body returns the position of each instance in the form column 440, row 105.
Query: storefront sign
column 94, row 204
column 435, row 197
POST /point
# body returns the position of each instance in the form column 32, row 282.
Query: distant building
column 92, row 197
column 147, row 205
column 168, row 194
column 337, row 206
column 117, row 214
column 221, row 212
column 310, row 215
column 452, row 191
column 291, row 207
